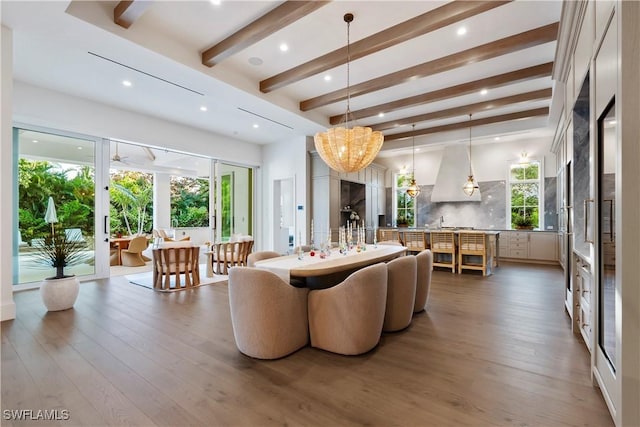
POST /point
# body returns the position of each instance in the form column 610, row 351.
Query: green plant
column 402, row 221
column 522, row 221
column 59, row 252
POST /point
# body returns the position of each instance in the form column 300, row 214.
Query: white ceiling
column 75, row 47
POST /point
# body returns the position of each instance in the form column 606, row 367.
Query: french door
column 59, row 182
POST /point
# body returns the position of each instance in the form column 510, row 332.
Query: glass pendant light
column 413, row 189
column 470, row 186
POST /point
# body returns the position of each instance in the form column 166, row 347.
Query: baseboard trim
column 8, row 311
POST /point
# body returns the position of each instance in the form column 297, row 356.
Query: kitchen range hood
column 453, row 173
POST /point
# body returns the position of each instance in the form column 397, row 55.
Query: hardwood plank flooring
column 489, row 351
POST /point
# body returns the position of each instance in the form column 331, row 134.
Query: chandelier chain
column 470, row 173
column 413, row 150
column 346, row 118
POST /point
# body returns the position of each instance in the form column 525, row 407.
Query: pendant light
column 470, row 186
column 413, row 189
column 348, row 150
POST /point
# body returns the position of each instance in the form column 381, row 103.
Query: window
column 189, row 201
column 524, row 194
column 405, row 206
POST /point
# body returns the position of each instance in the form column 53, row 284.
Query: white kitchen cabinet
column 543, row 246
column 529, row 245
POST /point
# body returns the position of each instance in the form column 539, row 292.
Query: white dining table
column 314, row 267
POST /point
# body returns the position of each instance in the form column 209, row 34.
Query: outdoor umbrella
column 50, row 216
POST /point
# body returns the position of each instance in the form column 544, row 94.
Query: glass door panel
column 234, row 201
column 58, row 170
column 607, row 233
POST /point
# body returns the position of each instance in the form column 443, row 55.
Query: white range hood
column 453, row 173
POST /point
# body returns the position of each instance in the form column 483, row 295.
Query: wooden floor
column 489, row 351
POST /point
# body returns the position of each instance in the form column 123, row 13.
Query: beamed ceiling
column 409, row 65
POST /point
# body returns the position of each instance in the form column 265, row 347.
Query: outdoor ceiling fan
column 116, row 157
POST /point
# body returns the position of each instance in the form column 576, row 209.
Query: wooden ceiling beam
column 466, row 109
column 544, row 111
column 538, row 36
column 447, row 14
column 278, row 18
column 524, row 74
column 127, row 12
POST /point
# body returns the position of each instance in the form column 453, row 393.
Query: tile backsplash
column 490, row 213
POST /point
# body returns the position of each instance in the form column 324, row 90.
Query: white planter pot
column 59, row 294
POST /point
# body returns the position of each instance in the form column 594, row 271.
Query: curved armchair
column 424, row 261
column 132, row 256
column 401, row 293
column 268, row 315
column 259, row 256
column 347, row 318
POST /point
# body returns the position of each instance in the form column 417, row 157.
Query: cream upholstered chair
column 132, row 256
column 269, row 316
column 401, row 293
column 424, row 267
column 178, row 259
column 347, row 318
column 259, row 256
column 444, row 243
column 472, row 243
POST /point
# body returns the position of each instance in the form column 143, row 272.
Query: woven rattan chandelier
column 344, row 149
column 471, row 185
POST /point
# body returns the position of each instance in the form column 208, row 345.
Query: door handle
column 106, row 219
column 586, row 220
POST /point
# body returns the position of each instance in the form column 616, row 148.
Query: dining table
column 316, row 272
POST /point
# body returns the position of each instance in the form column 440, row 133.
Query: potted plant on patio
column 60, row 291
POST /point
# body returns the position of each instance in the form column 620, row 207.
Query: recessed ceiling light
column 284, row 47
column 327, row 78
column 127, row 83
column 35, row 141
column 215, row 2
column 79, row 148
column 380, row 114
column 462, row 31
column 256, row 126
column 497, row 138
column 254, row 60
column 203, row 108
column 483, row 92
column 417, row 149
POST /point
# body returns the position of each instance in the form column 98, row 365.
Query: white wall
column 489, row 161
column 43, row 107
column 285, row 160
column 7, row 306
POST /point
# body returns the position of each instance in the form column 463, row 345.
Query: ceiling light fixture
column 203, row 108
column 470, row 186
column 483, row 92
column 413, row 189
column 256, row 126
column 127, row 83
column 343, row 149
column 327, row 78
column 380, row 115
column 462, row 31
column 284, row 47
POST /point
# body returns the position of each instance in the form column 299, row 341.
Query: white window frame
column 539, row 181
column 396, row 189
